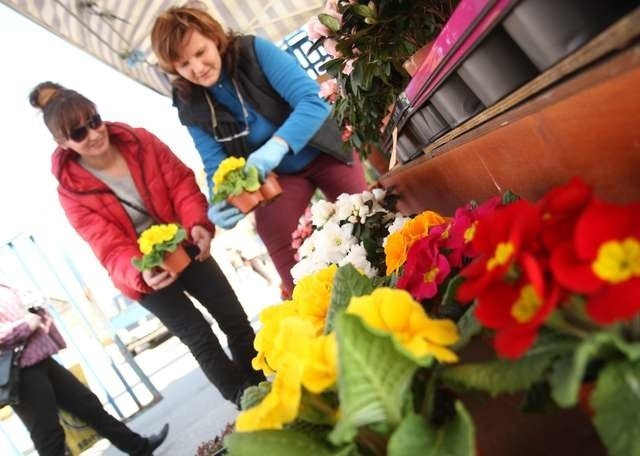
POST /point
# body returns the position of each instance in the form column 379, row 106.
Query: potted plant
column 160, row 245
column 382, row 364
column 240, row 185
column 369, row 41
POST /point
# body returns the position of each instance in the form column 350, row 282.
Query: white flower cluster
column 333, row 240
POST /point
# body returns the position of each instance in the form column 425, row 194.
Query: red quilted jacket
column 167, row 187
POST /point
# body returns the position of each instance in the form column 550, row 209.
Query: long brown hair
column 62, row 108
column 172, row 27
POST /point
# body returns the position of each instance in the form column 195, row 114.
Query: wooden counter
column 587, row 125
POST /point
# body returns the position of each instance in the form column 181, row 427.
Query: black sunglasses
column 79, row 134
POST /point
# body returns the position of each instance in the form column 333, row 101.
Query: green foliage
column 375, row 374
column 236, row 182
column 569, row 371
column 616, row 401
column 415, row 437
column 508, row 376
column 347, row 283
column 286, row 442
column 378, row 35
column 253, row 395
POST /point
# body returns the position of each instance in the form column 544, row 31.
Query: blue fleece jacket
column 292, row 83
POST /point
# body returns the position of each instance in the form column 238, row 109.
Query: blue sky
column 31, row 54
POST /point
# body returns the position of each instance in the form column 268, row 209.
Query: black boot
column 155, row 440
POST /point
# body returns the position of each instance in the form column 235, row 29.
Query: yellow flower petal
column 280, row 406
column 321, row 365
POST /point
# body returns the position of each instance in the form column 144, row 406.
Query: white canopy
column 117, row 31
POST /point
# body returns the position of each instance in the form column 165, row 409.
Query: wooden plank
column 587, row 126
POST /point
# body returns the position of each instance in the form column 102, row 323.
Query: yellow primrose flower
column 292, row 340
column 156, row 234
column 263, row 343
column 226, row 166
column 321, row 365
column 312, row 296
column 396, row 312
column 278, row 407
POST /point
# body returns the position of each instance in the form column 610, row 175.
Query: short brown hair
column 172, row 27
column 62, row 109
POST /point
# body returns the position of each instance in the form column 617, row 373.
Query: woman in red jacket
column 114, row 182
column 45, row 385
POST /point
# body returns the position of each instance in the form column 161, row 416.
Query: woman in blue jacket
column 243, row 96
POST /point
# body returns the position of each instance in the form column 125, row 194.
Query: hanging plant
column 369, row 42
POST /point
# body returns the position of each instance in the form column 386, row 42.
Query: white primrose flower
column 321, row 212
column 378, row 194
column 308, row 247
column 397, row 223
column 357, row 256
column 334, row 242
column 304, row 268
column 344, row 207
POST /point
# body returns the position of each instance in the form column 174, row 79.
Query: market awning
column 117, row 32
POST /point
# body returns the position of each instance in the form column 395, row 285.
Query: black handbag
column 10, row 376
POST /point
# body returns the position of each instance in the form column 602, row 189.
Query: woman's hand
column 158, row 279
column 202, row 238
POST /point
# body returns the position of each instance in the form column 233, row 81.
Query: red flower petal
column 570, row 272
column 513, row 342
column 602, row 222
column 494, row 306
column 616, row 302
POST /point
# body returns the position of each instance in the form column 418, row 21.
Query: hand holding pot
column 224, row 215
column 157, row 279
column 268, row 156
column 202, row 238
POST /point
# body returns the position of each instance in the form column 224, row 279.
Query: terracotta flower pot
column 270, row 189
column 246, row 201
column 175, row 262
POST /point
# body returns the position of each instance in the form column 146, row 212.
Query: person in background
column 243, row 96
column 46, row 386
column 115, row 181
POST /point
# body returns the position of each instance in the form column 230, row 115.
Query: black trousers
column 206, row 283
column 47, row 386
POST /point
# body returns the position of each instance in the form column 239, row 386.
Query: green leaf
column 616, row 401
column 415, row 437
column 568, row 372
column 282, row 443
column 329, row 21
column 509, row 197
column 468, row 326
column 253, row 395
column 251, row 183
column 503, row 376
column 347, row 283
column 374, row 378
column 362, row 10
column 318, row 408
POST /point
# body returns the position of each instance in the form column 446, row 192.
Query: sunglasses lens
column 78, row 134
column 94, row 121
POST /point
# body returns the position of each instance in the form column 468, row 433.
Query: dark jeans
column 47, row 386
column 206, row 283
